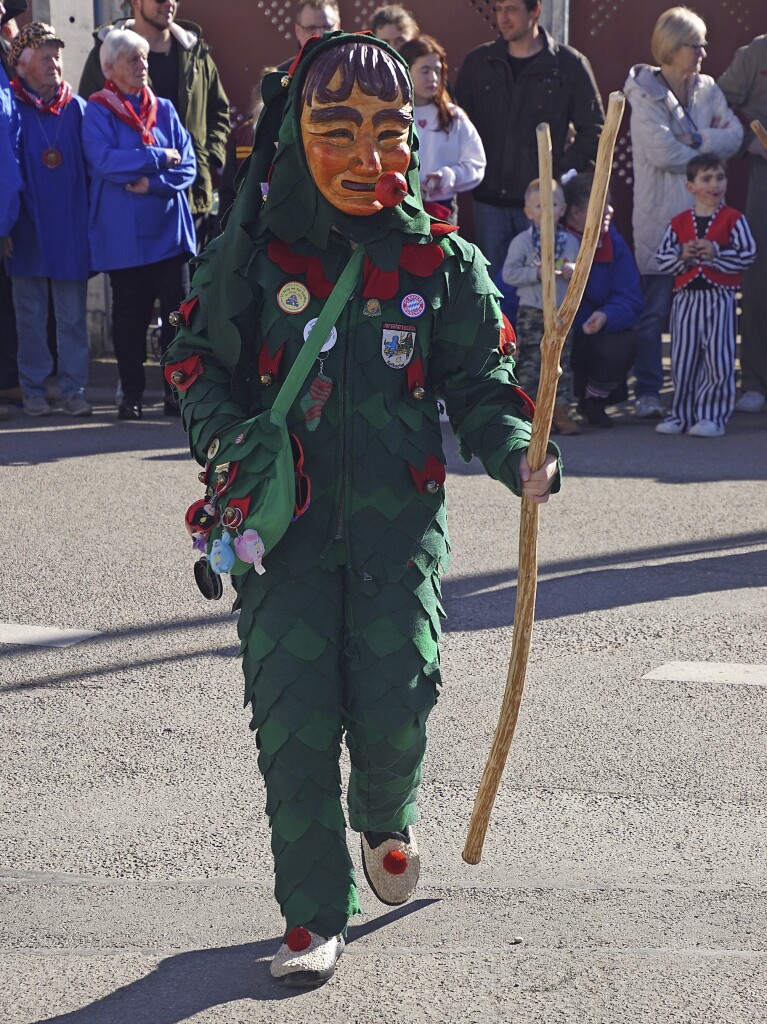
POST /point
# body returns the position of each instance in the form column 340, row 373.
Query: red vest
column 719, row 230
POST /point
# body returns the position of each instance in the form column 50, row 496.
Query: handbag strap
column 319, row 333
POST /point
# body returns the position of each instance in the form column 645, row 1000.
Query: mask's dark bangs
column 372, row 68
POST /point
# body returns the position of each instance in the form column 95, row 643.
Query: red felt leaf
column 280, row 253
column 415, row 374
column 438, row 230
column 192, row 368
column 316, row 281
column 421, row 260
column 507, row 344
column 379, row 284
column 186, row 308
column 433, row 469
column 268, row 363
column 527, row 403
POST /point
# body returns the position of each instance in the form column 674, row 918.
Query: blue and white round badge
column 330, row 341
column 413, row 305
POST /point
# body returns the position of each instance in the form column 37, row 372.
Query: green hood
column 295, row 208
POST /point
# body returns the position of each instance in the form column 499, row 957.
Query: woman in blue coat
column 604, row 342
column 141, row 231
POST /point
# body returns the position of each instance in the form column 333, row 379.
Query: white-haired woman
column 141, row 230
column 676, row 112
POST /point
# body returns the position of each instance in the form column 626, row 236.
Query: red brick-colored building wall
column 613, row 34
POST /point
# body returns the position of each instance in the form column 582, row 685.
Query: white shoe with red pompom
column 391, row 864
column 306, row 960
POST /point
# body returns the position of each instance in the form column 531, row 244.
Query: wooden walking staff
column 557, row 322
column 759, row 131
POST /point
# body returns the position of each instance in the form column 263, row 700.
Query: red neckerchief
column 604, row 249
column 55, row 105
column 143, row 123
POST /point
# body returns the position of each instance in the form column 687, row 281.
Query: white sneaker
column 649, row 407
column 306, row 960
column 36, row 405
column 76, row 405
column 669, row 427
column 705, row 428
column 751, row 401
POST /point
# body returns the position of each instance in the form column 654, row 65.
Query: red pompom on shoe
column 395, row 862
column 298, row 939
column 391, row 188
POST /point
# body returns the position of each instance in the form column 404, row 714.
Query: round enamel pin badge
column 331, row 339
column 293, row 297
column 413, row 305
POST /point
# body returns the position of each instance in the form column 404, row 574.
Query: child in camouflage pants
column 522, row 269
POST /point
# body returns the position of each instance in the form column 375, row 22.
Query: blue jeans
column 494, row 228
column 657, row 290
column 70, row 302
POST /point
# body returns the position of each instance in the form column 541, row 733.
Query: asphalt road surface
column 628, row 845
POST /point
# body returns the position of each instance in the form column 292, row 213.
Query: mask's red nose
column 391, row 188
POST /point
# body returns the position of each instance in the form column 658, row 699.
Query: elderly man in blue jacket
column 50, row 240
column 9, row 170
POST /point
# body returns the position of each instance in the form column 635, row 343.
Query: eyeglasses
column 698, row 47
column 317, row 29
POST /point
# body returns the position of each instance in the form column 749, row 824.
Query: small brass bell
column 232, row 518
column 432, row 486
column 176, row 318
column 267, row 379
column 418, row 392
column 285, row 81
column 201, row 476
column 177, row 378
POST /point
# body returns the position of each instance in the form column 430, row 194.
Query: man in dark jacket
column 507, row 88
column 181, row 70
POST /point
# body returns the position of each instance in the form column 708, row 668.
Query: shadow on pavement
column 230, row 653
column 607, row 582
column 633, row 451
column 184, row 985
column 15, row 652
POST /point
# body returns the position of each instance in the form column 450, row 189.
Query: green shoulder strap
column 319, row 334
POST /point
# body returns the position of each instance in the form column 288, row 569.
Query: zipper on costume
column 340, row 531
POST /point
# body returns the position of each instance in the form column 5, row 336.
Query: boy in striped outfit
column 707, row 247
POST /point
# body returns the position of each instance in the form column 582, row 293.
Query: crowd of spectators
column 120, row 177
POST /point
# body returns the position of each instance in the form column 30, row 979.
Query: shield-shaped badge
column 397, row 344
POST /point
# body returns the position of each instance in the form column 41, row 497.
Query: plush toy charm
column 250, row 548
column 221, row 555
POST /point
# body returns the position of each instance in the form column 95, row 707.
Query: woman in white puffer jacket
column 675, row 113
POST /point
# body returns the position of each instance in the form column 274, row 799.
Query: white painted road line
column 43, row 636
column 710, row 672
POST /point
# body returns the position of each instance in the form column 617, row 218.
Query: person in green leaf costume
column 340, row 622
